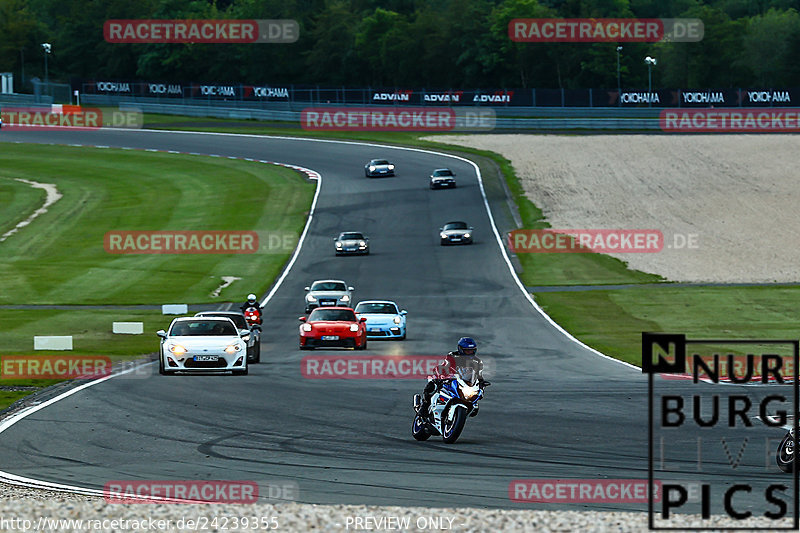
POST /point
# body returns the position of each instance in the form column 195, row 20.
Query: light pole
column 619, row 83
column 22, row 66
column 47, row 47
column 651, row 62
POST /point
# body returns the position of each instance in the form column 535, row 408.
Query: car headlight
column 469, row 393
column 362, row 243
column 371, row 168
column 306, row 327
column 391, row 167
column 467, row 235
column 443, row 235
column 397, row 320
column 177, row 349
column 233, row 348
column 353, row 327
column 338, row 245
column 311, row 298
column 345, row 298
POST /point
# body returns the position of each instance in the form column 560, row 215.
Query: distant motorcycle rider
column 465, row 356
column 252, row 301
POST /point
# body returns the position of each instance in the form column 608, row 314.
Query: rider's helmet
column 467, row 346
column 251, row 299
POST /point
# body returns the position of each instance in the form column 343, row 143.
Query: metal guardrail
column 27, row 100
column 537, row 118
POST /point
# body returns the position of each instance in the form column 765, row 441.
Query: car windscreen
column 380, row 162
column 377, row 308
column 346, row 315
column 238, row 319
column 351, row 236
column 328, row 286
column 203, row 328
column 455, row 225
column 443, row 172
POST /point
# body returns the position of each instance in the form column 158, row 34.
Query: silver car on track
column 328, row 293
column 378, row 167
column 351, row 242
column 455, row 232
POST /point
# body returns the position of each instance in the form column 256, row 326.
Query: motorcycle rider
column 252, row 301
column 465, row 356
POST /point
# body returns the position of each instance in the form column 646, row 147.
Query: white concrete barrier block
column 174, row 309
column 130, row 328
column 52, row 342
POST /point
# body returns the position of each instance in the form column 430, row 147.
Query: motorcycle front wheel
column 418, row 429
column 785, row 455
column 452, row 427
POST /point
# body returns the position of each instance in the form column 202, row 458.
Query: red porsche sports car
column 333, row 326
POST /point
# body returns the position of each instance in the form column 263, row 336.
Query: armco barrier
column 541, row 119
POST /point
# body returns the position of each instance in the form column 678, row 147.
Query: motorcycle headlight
column 469, row 393
column 345, row 298
column 306, row 327
column 177, row 349
column 443, row 235
column 353, row 327
column 397, row 320
column 246, row 338
column 233, row 348
column 311, row 298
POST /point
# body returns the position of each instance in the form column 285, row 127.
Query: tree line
column 434, row 44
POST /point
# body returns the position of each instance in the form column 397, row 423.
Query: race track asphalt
column 555, row 409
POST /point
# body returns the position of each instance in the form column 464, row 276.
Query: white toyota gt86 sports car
column 204, row 344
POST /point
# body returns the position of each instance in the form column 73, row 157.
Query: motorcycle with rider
column 451, row 394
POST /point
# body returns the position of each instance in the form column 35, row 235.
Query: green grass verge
column 91, row 335
column 60, row 258
column 612, row 321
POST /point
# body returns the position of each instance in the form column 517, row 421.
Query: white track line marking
column 52, row 196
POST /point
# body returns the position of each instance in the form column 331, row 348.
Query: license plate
column 206, row 358
column 374, row 329
column 327, row 303
column 330, row 337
